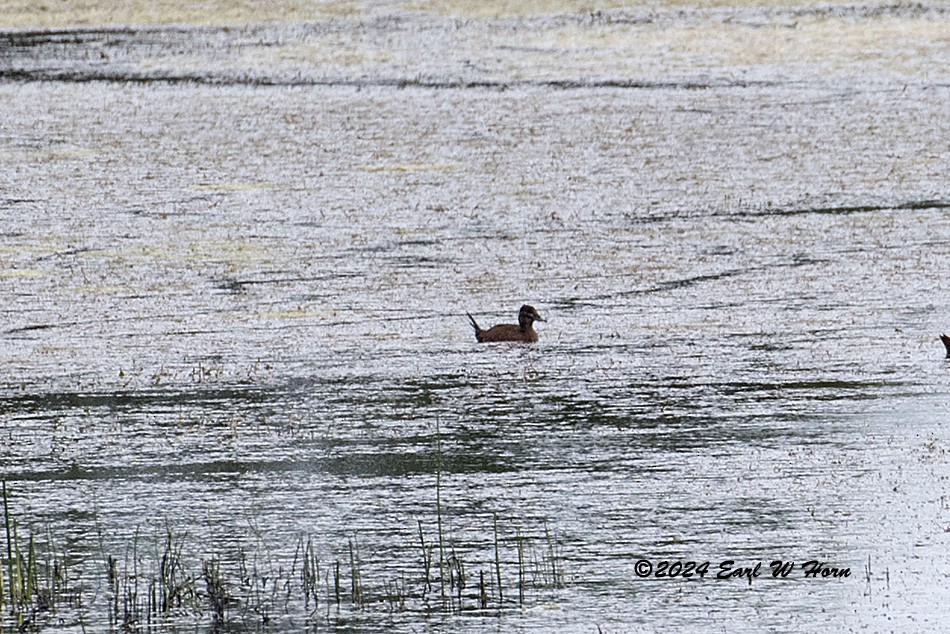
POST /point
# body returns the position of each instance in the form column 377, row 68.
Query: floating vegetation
column 168, row 579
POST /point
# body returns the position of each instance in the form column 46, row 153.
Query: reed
column 310, row 577
column 396, row 595
column 482, row 592
column 216, row 587
column 336, row 582
column 27, row 601
column 176, row 587
column 146, row 594
column 456, row 570
column 356, row 579
column 426, row 563
column 56, row 587
column 6, row 524
column 521, row 569
column 501, row 596
column 159, row 579
column 438, row 507
column 552, row 567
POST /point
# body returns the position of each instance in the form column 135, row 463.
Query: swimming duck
column 946, row 342
column 523, row 331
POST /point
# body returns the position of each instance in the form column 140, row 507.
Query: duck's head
column 527, row 315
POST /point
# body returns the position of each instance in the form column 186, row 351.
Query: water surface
column 235, row 278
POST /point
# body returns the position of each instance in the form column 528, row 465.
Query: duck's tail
column 478, row 330
column 946, row 342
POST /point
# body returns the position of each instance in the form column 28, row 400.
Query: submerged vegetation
column 169, row 579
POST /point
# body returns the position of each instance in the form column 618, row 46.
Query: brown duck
column 523, row 331
column 946, row 342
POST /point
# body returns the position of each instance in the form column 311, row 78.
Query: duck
column 946, row 342
column 522, row 332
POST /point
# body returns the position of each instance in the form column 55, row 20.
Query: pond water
column 236, row 264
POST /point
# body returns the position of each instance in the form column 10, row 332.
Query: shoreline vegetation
column 165, row 579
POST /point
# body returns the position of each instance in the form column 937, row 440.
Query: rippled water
column 234, row 309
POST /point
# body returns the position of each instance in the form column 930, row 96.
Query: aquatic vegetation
column 144, row 592
column 235, row 261
column 37, row 581
column 166, row 579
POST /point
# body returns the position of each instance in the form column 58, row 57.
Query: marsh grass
column 310, row 577
column 356, row 578
column 144, row 591
column 36, row 582
column 216, row 587
column 166, row 579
